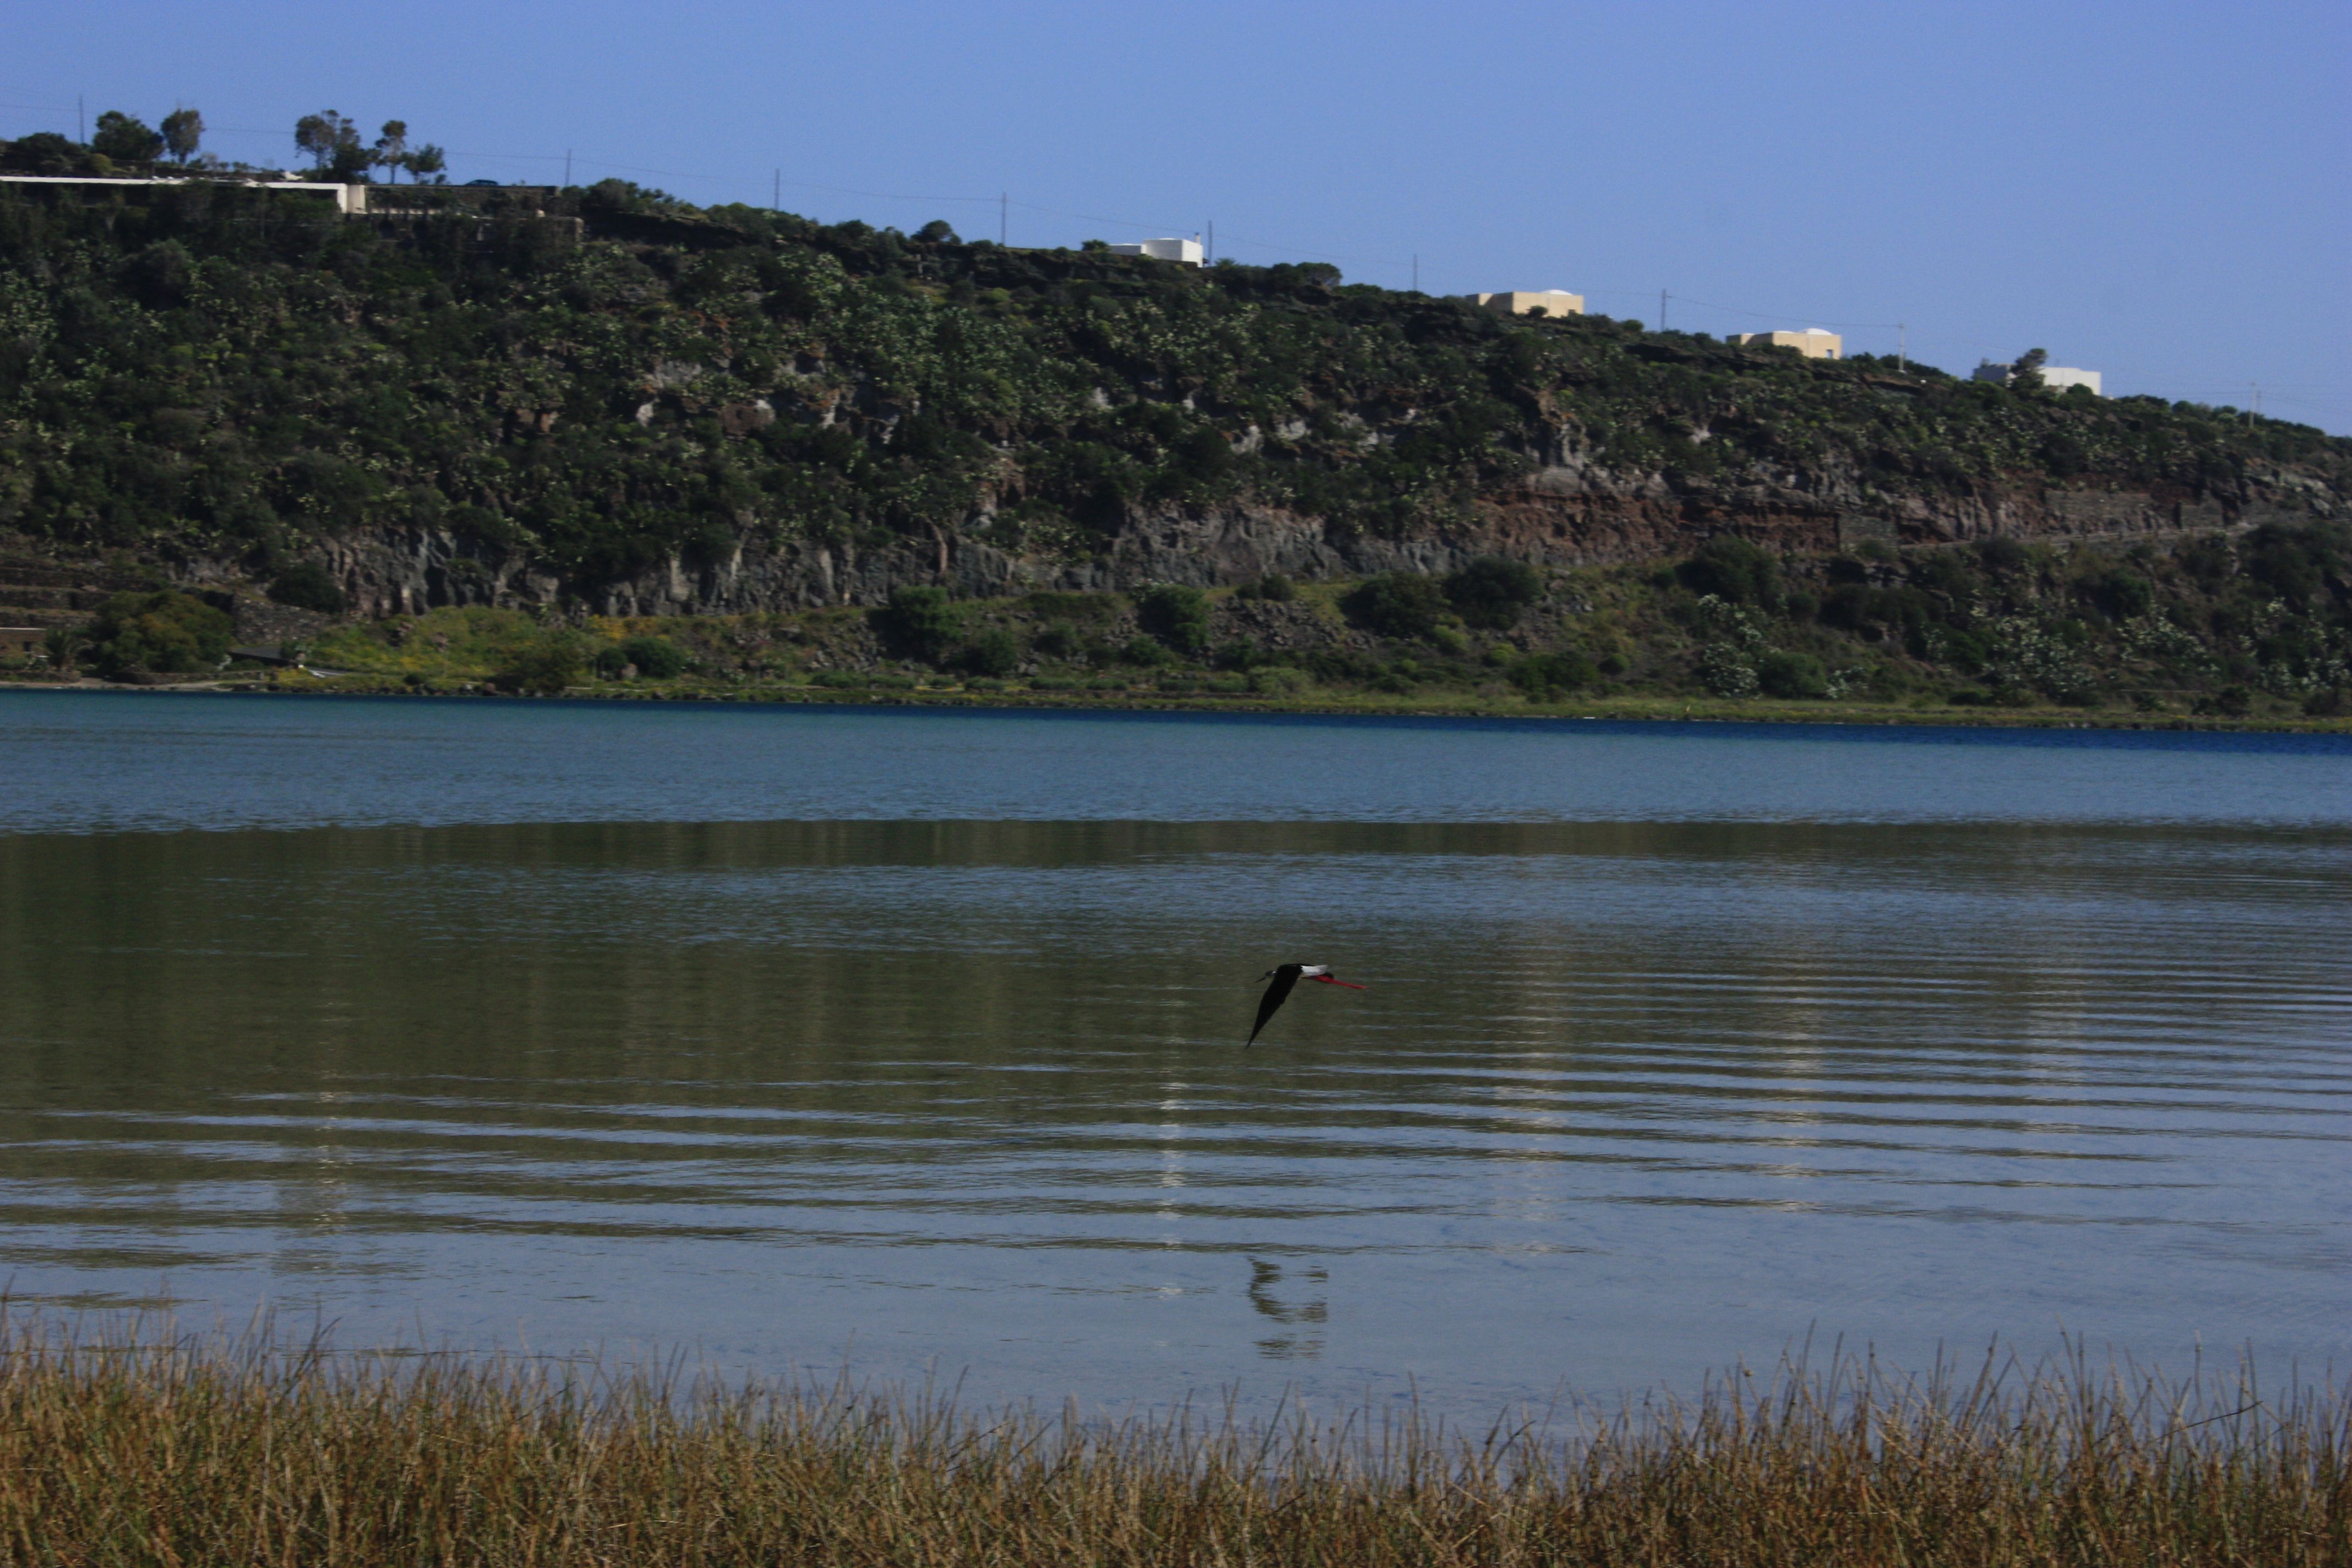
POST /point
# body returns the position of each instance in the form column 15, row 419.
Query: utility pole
column 1902, row 346
column 1003, row 209
column 567, row 168
column 1213, row 242
column 776, row 192
column 82, row 120
column 1416, row 271
column 1662, row 310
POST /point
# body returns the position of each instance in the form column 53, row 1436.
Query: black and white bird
column 1285, row 977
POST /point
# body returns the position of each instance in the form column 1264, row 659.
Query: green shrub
column 1945, row 572
column 544, row 666
column 1400, row 604
column 1791, row 676
column 2001, row 555
column 1545, row 675
column 308, row 585
column 1144, row 652
column 1176, row 614
column 164, row 632
column 1277, row 680
column 2292, row 561
column 920, row 622
column 656, row 658
column 2123, row 596
column 836, row 680
column 1492, row 593
column 1733, row 571
column 995, row 652
column 1273, row 587
column 1060, row 640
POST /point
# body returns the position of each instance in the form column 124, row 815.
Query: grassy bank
column 205, row 1452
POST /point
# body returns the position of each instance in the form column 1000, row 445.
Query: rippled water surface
column 913, row 1039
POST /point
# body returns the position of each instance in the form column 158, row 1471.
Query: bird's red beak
column 1348, row 984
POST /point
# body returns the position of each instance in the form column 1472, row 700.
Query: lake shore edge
column 1811, row 712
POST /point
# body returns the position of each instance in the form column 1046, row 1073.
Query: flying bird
column 1285, row 977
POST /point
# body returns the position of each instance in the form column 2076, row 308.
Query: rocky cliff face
column 1563, row 514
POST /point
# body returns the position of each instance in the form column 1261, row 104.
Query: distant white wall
column 349, row 199
column 1187, row 251
column 2056, row 377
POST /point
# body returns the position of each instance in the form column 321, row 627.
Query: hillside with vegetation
column 444, row 440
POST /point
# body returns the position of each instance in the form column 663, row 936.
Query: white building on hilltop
column 1812, row 343
column 2055, row 377
column 1187, row 251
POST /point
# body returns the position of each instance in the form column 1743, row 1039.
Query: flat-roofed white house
column 2059, row 378
column 1812, row 343
column 2055, row 377
column 1525, row 303
column 1187, row 251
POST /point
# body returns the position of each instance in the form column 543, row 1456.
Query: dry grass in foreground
column 204, row 1451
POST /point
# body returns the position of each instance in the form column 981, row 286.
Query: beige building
column 1812, row 343
column 1549, row 302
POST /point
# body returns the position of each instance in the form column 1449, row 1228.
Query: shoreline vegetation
column 2248, row 633
column 116, row 1447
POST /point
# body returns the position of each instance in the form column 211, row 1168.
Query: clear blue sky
column 2162, row 192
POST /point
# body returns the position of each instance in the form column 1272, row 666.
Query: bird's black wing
column 1276, row 994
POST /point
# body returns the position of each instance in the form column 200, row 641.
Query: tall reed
column 122, row 1448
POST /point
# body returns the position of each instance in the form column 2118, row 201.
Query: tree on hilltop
column 43, row 152
column 333, row 144
column 184, row 129
column 392, row 147
column 2026, row 374
column 125, row 140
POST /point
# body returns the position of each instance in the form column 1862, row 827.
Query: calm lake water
column 911, row 1040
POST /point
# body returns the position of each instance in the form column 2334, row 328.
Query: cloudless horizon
column 2157, row 192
